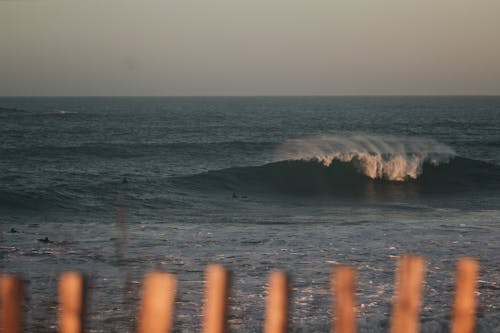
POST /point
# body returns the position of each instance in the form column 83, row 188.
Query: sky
column 249, row 47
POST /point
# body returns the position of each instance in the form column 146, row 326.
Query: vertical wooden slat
column 464, row 309
column 71, row 302
column 216, row 294
column 158, row 300
column 406, row 308
column 344, row 286
column 277, row 304
column 11, row 304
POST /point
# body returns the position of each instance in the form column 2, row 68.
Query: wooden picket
column 276, row 320
column 343, row 284
column 157, row 307
column 156, row 311
column 464, row 309
column 71, row 303
column 11, row 303
column 409, row 277
column 216, row 295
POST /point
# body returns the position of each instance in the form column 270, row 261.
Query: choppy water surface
column 256, row 184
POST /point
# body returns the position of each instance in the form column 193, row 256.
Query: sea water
column 123, row 186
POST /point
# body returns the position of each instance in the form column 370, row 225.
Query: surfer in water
column 124, row 180
column 45, row 240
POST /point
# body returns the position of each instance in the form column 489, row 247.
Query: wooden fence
column 158, row 298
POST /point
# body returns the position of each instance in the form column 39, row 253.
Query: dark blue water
column 295, row 183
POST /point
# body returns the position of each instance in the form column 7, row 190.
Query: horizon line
column 249, row 96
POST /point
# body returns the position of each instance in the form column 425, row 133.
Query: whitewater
column 299, row 184
column 378, row 157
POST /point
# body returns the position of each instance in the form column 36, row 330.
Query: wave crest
column 378, row 157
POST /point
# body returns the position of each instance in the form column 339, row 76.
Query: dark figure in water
column 13, row 231
column 44, row 240
column 234, row 195
column 124, row 181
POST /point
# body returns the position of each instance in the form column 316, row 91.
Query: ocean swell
column 343, row 179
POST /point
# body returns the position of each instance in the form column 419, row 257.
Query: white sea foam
column 376, row 156
column 63, row 112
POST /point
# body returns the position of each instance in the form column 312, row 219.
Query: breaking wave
column 359, row 166
column 377, row 157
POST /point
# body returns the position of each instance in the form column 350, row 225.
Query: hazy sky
column 249, row 47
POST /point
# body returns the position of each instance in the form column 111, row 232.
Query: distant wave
column 377, row 157
column 10, row 110
column 94, row 194
column 136, row 149
column 51, row 112
column 63, row 112
column 33, row 199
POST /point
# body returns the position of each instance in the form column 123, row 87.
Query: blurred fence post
column 11, row 304
column 216, row 295
column 156, row 314
column 406, row 308
column 344, row 286
column 71, row 302
column 464, row 308
column 277, row 304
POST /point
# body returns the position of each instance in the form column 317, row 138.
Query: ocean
column 123, row 186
